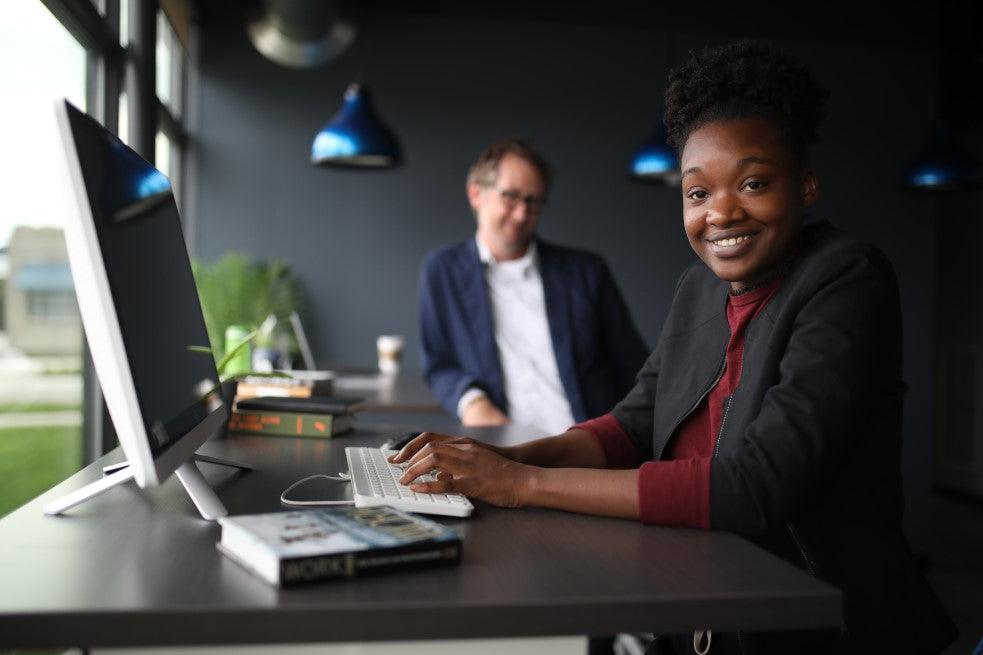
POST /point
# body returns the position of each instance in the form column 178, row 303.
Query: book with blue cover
column 288, row 548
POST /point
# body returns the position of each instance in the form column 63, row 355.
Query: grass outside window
column 33, row 460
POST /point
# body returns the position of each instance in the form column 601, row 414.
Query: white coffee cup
column 390, row 347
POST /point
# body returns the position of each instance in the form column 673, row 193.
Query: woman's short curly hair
column 741, row 80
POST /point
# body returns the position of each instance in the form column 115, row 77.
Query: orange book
column 290, row 424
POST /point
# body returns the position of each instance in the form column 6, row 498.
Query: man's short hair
column 484, row 171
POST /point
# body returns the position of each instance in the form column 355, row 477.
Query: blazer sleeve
column 841, row 368
column 442, row 369
column 624, row 346
column 635, row 412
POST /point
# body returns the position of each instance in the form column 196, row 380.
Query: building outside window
column 40, row 335
column 51, row 305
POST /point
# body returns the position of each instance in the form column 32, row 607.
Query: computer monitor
column 140, row 310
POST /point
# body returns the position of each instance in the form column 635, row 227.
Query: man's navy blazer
column 598, row 351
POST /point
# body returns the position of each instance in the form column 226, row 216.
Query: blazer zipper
column 730, row 399
column 707, row 390
column 716, row 449
column 802, row 551
column 811, row 565
column 723, row 422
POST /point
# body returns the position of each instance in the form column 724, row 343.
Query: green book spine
column 290, row 423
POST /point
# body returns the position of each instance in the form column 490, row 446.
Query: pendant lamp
column 356, row 137
column 656, row 160
column 942, row 166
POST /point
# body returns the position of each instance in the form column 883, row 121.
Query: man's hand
column 482, row 411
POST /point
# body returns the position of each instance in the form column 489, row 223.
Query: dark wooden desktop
column 405, row 394
column 139, row 568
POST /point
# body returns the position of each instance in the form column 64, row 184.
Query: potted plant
column 227, row 378
column 237, row 291
column 256, row 297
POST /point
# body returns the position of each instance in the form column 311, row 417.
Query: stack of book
column 287, row 548
column 256, row 386
column 314, row 416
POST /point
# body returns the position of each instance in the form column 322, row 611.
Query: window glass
column 177, row 77
column 163, row 59
column 40, row 330
column 123, row 131
column 124, row 22
column 162, row 154
column 169, row 65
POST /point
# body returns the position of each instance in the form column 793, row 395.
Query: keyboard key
column 376, row 478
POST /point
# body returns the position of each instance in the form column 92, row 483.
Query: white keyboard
column 376, row 482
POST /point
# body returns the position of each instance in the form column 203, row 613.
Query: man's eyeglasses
column 512, row 198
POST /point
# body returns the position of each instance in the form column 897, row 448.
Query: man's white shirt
column 525, row 349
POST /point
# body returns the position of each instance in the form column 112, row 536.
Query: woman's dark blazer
column 807, row 460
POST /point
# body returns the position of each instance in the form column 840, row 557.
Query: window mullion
column 82, row 20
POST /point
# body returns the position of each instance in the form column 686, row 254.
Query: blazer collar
column 528, row 261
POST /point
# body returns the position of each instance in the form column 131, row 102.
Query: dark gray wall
column 587, row 96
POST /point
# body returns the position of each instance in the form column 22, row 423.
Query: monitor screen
column 153, row 292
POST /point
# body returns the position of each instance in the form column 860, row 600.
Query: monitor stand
column 189, row 474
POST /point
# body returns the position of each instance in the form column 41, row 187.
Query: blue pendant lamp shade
column 943, row 166
column 656, row 160
column 356, row 137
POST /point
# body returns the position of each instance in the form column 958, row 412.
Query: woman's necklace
column 764, row 281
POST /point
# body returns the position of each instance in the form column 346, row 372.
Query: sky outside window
column 39, row 61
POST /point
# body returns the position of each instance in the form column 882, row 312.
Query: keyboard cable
column 341, row 477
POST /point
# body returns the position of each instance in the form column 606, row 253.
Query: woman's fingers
column 444, row 484
column 418, row 444
column 467, row 468
column 415, row 445
column 444, row 457
column 420, row 467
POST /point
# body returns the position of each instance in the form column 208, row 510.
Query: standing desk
column 139, row 568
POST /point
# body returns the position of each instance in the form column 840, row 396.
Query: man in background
column 517, row 329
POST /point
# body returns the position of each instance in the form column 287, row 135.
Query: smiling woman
column 743, row 199
column 771, row 406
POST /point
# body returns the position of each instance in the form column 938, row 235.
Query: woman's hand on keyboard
column 466, row 466
column 407, row 452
